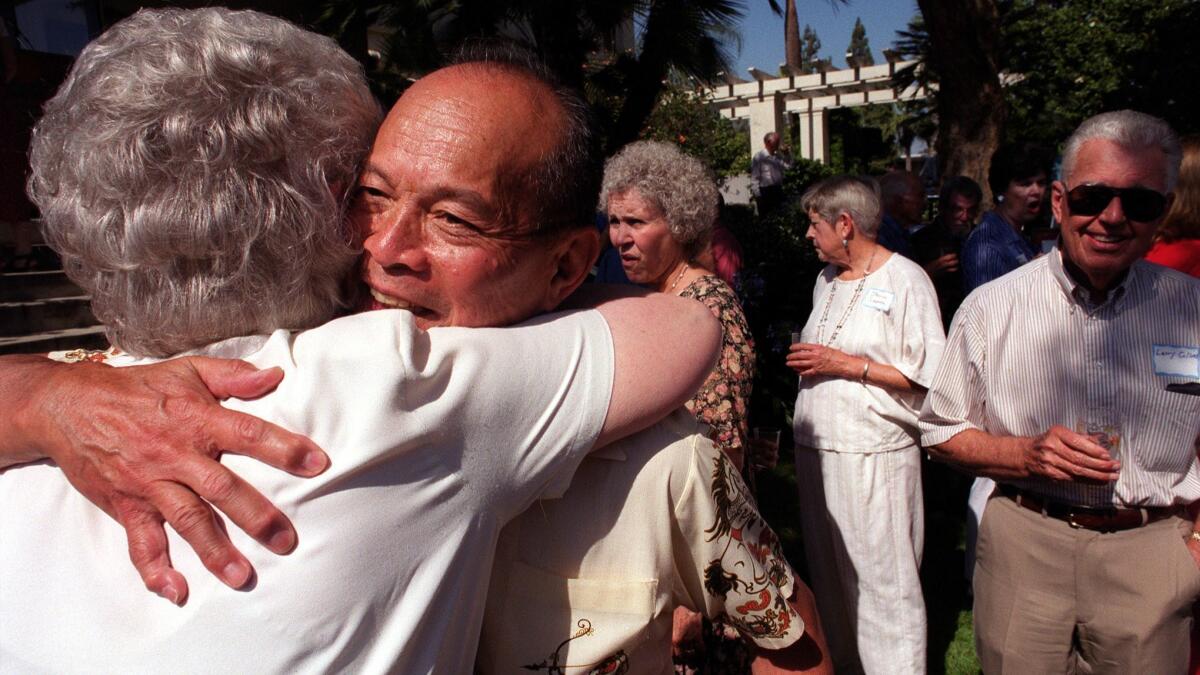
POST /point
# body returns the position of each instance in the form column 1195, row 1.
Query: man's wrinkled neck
column 1097, row 287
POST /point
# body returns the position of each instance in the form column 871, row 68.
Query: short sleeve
column 730, row 561
column 955, row 400
column 921, row 336
column 526, row 403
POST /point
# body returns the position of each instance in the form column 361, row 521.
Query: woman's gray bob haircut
column 191, row 173
column 846, row 194
column 680, row 185
column 1128, row 129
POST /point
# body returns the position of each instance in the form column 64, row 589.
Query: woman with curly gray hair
column 662, row 208
column 192, row 185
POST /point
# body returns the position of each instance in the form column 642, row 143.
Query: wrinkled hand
column 1062, row 454
column 687, row 636
column 143, row 443
column 813, row 359
column 946, row 264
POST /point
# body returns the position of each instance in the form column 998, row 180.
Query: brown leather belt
column 1099, row 520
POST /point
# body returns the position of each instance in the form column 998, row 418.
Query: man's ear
column 1058, row 198
column 575, row 253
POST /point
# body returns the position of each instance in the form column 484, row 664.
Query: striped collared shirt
column 1029, row 351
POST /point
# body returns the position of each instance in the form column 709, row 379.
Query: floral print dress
column 722, row 400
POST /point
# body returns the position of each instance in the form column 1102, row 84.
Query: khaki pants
column 1050, row 598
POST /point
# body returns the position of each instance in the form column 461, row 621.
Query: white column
column 766, row 115
column 820, row 136
column 814, row 136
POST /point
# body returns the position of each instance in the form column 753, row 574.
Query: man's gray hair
column 191, row 173
column 846, row 194
column 1129, row 129
column 676, row 183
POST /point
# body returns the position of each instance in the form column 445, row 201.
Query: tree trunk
column 791, row 37
column 964, row 37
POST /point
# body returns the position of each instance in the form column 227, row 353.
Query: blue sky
column 762, row 29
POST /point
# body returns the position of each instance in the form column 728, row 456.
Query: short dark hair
column 1017, row 161
column 562, row 188
column 960, row 185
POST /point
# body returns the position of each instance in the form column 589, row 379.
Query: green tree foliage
column 682, row 117
column 810, row 49
column 1066, row 61
column 1075, row 59
column 860, row 46
column 574, row 37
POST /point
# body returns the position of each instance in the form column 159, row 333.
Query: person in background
column 903, row 198
column 662, row 207
column 766, row 171
column 937, row 246
column 868, row 350
column 1067, row 382
column 1018, row 177
column 1177, row 244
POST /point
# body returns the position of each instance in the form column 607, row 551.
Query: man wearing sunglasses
column 1055, row 382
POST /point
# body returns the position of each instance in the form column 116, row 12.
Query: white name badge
column 1175, row 360
column 877, row 298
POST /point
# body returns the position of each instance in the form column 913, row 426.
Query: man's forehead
column 1101, row 160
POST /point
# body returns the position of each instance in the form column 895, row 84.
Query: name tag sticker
column 1176, row 361
column 877, row 298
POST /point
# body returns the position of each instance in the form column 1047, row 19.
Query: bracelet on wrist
column 866, row 367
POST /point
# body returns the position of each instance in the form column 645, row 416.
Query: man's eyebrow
column 469, row 198
column 371, row 169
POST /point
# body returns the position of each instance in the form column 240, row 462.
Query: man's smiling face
column 1104, row 245
column 441, row 201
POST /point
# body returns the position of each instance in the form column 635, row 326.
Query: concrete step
column 90, row 337
column 25, row 286
column 40, row 316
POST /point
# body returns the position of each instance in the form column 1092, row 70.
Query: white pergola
column 767, row 98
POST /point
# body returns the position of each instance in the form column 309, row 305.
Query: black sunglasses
column 1140, row 204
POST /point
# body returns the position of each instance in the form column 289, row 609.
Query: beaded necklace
column 849, row 307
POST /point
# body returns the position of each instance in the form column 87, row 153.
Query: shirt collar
column 1075, row 291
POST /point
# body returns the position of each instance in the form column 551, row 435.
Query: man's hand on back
column 143, row 443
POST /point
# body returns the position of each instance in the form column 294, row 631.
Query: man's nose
column 396, row 237
column 1114, row 212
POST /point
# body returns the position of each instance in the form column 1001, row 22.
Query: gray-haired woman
column 662, row 207
column 867, row 352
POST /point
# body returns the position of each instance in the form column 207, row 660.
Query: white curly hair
column 191, row 173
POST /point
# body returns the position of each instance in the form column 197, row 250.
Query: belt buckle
column 1071, row 519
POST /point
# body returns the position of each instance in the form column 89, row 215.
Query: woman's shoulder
column 710, row 288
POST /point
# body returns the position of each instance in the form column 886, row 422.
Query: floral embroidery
column 89, row 355
column 722, row 399
column 617, row 664
column 752, row 584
